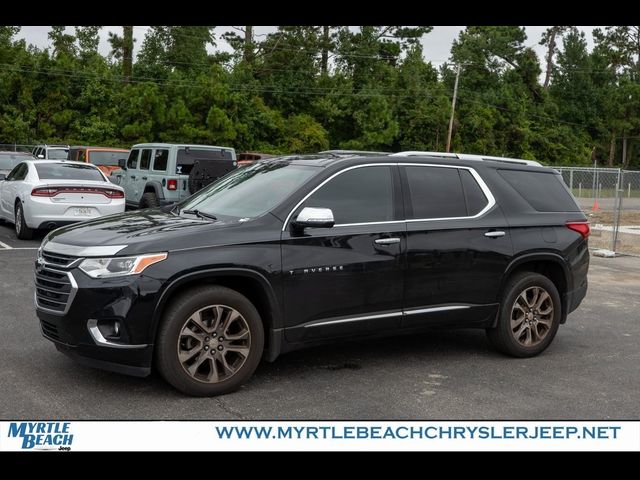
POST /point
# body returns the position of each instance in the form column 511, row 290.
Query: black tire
column 149, row 200
column 175, row 318
column 503, row 338
column 195, row 182
column 23, row 232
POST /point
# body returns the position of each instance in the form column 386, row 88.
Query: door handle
column 494, row 234
column 144, row 178
column 132, row 177
column 386, row 241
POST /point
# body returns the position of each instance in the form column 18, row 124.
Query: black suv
column 287, row 253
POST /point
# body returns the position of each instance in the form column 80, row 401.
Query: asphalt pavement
column 589, row 372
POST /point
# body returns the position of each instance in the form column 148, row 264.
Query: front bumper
column 83, row 329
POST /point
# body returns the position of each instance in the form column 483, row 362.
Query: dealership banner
column 62, row 436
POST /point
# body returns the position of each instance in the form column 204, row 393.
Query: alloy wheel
column 532, row 316
column 214, row 343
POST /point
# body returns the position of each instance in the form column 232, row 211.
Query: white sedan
column 49, row 194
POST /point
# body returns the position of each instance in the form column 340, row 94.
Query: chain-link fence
column 610, row 197
column 16, row 147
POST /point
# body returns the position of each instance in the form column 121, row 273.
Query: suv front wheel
column 210, row 341
column 529, row 315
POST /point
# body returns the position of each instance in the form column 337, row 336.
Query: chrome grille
column 58, row 259
column 54, row 289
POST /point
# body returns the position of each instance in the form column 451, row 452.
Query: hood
column 139, row 230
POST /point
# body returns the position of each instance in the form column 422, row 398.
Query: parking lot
column 589, row 372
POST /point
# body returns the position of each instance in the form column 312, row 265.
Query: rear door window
column 434, row 192
column 18, row 173
column 160, row 159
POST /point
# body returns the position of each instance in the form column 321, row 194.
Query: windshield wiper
column 200, row 214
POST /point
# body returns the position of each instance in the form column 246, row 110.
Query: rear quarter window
column 545, row 192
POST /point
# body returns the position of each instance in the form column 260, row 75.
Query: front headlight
column 119, row 266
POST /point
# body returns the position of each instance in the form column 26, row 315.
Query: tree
column 88, row 40
column 63, row 43
column 550, row 39
column 122, row 49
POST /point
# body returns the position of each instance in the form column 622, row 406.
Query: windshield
column 250, row 191
column 68, row 171
column 58, row 153
column 103, row 157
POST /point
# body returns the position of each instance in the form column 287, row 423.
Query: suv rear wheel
column 529, row 316
column 149, row 200
column 210, row 341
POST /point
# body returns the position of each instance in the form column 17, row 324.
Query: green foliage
column 303, row 89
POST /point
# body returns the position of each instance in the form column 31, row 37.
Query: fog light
column 109, row 328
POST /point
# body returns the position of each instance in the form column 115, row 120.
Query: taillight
column 581, row 227
column 172, row 184
column 53, row 191
column 44, row 192
column 114, row 194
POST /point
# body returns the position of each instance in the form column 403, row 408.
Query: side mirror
column 2, row 177
column 40, row 155
column 311, row 217
column 122, row 163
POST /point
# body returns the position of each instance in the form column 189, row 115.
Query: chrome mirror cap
column 315, row 218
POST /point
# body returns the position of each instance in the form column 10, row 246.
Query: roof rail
column 468, row 156
column 415, row 153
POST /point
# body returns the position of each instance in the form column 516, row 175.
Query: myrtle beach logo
column 42, row 435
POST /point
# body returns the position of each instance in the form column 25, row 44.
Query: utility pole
column 453, row 108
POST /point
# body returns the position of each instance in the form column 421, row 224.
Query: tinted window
column 145, row 159
column 251, row 191
column 357, row 196
column 473, row 194
column 160, row 159
column 132, row 161
column 187, row 156
column 68, row 171
column 57, row 154
column 435, row 192
column 19, row 172
column 99, row 157
column 545, row 192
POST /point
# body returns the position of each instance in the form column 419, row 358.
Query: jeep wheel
column 23, row 232
column 529, row 316
column 149, row 200
column 210, row 341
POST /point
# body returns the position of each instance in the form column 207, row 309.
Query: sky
column 437, row 43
